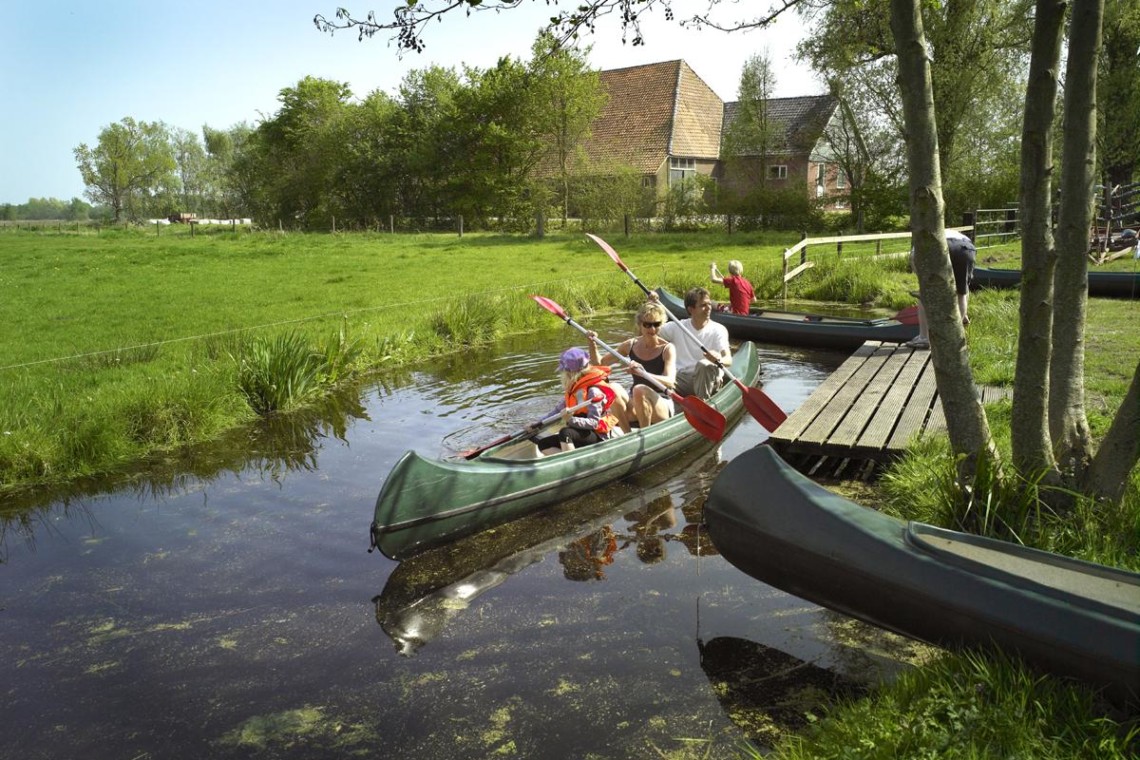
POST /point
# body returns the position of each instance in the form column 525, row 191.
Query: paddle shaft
column 668, row 314
column 471, row 454
column 706, row 420
column 624, row 360
column 756, row 401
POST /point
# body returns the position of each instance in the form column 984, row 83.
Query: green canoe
column 951, row 589
column 428, row 502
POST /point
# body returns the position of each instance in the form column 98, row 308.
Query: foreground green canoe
column 428, row 502
column 952, row 589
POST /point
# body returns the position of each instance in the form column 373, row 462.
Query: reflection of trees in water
column 767, row 692
column 269, row 446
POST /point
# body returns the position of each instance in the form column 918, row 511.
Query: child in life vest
column 582, row 383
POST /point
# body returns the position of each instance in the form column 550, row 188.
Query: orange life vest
column 594, row 377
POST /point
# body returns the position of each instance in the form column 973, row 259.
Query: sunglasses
column 650, row 324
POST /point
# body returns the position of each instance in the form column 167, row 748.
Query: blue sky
column 72, row 68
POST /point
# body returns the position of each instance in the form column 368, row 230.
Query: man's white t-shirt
column 713, row 336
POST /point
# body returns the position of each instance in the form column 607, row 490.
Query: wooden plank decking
column 868, row 410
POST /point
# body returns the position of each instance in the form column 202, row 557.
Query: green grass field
column 123, row 344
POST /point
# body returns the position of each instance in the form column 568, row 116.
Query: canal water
column 225, row 606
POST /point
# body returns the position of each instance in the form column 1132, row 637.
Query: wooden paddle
column 705, row 420
column 529, row 429
column 756, row 401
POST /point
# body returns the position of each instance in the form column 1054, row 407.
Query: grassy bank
column 126, row 343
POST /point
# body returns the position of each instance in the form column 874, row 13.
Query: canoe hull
column 803, row 330
column 820, row 547
column 1101, row 284
column 427, row 502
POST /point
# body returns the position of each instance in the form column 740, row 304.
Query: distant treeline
column 40, row 209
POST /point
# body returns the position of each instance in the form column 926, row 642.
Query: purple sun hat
column 574, row 360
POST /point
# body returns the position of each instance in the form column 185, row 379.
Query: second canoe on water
column 799, row 329
column 427, row 502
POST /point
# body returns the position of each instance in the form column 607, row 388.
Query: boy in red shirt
column 740, row 293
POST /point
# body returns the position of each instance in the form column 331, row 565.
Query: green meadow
column 125, row 344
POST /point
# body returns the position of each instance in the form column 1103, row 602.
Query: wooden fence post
column 460, row 220
column 392, row 223
column 803, row 251
column 784, row 294
column 540, row 225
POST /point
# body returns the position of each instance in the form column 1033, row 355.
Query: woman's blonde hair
column 735, row 267
column 654, row 311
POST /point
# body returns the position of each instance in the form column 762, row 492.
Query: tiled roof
column 652, row 112
column 803, row 119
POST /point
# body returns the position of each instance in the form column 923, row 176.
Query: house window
column 779, row 171
column 649, row 181
column 681, row 169
column 841, row 179
column 821, row 174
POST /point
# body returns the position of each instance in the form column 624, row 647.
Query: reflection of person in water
column 583, row 559
column 647, row 524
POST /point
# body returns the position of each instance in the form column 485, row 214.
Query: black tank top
column 655, row 366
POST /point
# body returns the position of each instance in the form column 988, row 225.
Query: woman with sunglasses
column 650, row 356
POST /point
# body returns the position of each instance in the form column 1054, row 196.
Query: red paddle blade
column 549, row 305
column 760, row 405
column 908, row 316
column 705, row 420
column 608, row 249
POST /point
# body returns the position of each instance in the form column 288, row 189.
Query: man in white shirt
column 697, row 372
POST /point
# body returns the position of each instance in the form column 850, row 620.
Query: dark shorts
column 962, row 257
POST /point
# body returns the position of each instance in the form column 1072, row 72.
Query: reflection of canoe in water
column 423, row 594
column 428, row 502
column 798, row 329
column 1103, row 284
column 951, row 589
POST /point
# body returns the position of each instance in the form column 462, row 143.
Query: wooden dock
column 866, row 413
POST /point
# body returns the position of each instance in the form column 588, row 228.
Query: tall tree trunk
column 1067, row 423
column 1120, row 450
column 965, row 418
column 1032, row 450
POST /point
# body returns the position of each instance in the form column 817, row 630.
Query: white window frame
column 778, row 171
column 681, row 169
column 841, row 179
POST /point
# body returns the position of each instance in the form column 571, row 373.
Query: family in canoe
column 664, row 358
